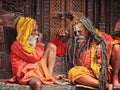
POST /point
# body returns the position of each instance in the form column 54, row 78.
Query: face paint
column 78, row 29
column 32, row 39
column 80, row 33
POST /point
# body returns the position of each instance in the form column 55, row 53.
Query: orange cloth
column 92, row 65
column 27, row 61
column 26, row 65
column 89, row 62
column 61, row 47
column 77, row 72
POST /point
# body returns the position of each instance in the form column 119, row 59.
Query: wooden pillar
column 45, row 21
column 38, row 14
column 89, row 9
column 102, row 16
column 96, row 13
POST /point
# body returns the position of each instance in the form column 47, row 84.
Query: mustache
column 32, row 40
column 80, row 38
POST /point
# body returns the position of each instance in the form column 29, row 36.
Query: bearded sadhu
column 89, row 52
column 32, row 62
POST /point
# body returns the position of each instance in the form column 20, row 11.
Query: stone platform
column 4, row 86
column 61, row 67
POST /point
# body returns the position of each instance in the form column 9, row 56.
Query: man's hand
column 40, row 37
column 63, row 33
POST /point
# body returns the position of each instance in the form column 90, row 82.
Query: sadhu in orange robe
column 88, row 64
column 27, row 62
column 25, row 65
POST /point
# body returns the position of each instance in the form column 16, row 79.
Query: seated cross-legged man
column 89, row 52
column 32, row 61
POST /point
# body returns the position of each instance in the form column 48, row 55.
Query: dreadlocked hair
column 86, row 46
column 103, row 71
column 93, row 36
column 71, row 50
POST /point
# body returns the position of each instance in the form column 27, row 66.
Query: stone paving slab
column 4, row 86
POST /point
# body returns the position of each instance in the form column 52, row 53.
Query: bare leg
column 116, row 65
column 50, row 56
column 87, row 80
column 35, row 83
column 90, row 81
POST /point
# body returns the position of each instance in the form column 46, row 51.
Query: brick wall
column 5, row 66
column 6, row 20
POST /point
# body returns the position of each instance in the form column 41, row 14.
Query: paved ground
column 60, row 68
column 4, row 86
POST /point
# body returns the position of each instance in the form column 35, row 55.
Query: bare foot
column 110, row 87
column 116, row 84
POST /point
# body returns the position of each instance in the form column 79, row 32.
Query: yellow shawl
column 24, row 28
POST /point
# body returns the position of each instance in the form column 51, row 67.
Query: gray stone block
column 58, row 87
column 4, row 86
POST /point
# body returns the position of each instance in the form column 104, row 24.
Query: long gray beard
column 32, row 40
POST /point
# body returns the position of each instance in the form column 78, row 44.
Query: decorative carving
column 56, row 6
column 15, row 5
column 19, row 7
column 60, row 11
column 77, row 5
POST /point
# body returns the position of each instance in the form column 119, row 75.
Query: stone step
column 4, row 86
column 60, row 68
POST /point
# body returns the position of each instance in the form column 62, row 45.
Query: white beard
column 80, row 39
column 32, row 40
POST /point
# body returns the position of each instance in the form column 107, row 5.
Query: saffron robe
column 27, row 65
column 89, row 64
